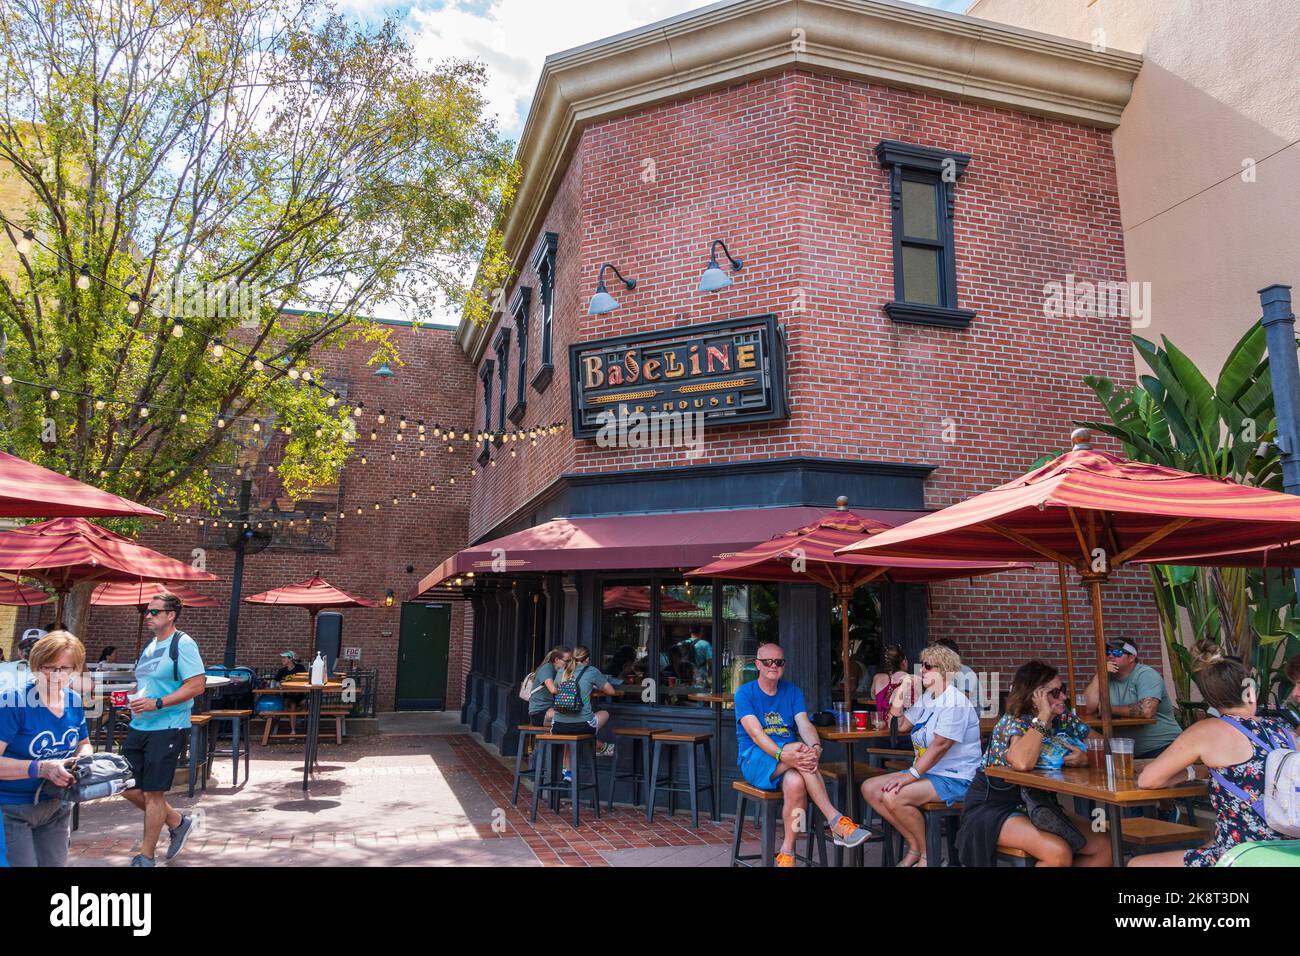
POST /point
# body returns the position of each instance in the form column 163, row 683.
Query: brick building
column 899, row 219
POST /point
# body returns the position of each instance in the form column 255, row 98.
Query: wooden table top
column 713, row 698
column 1093, row 785
column 299, row 688
column 835, row 735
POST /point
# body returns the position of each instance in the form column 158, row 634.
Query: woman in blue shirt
column 42, row 731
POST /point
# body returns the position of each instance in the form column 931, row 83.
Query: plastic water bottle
column 318, row 670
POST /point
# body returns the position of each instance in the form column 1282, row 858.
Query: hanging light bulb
column 397, row 437
column 421, row 452
column 320, row 432
column 433, row 487
column 7, row 379
column 394, row 499
column 392, row 456
column 452, row 479
column 534, row 442
column 376, row 505
column 144, row 411
column 99, row 403
column 513, row 453
column 221, row 423
column 381, row 416
column 450, row 449
column 218, row 349
column 340, row 515
column 133, row 304
column 364, row 461
column 25, row 241
column 412, row 492
column 177, row 329
column 293, row 372
column 357, row 411
column 54, row 394
column 257, row 425
column 465, row 437
column 288, row 429
column 332, row 400
column 421, row 426
column 401, row 422
column 83, row 277
column 373, row 434
column 358, row 509
column 492, row 463
column 306, row 377
column 258, row 365
column 184, row 418
column 437, row 432
column 473, row 472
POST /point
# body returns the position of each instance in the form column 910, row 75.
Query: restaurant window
column 686, row 659
column 864, row 640
column 749, row 619
column 519, row 309
column 922, row 191
column 544, row 265
column 625, row 631
column 485, row 373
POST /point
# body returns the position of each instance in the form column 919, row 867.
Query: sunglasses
column 155, row 611
column 1115, row 652
column 772, row 661
column 1057, row 694
column 927, row 667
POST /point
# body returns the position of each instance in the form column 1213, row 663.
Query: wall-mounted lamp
column 602, row 301
column 388, row 598
column 715, row 277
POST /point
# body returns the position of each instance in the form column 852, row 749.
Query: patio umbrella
column 637, row 599
column 313, row 594
column 30, row 491
column 63, row 552
column 138, row 594
column 13, row 594
column 1096, row 512
column 808, row 554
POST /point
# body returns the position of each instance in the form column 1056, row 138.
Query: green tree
column 220, row 161
column 1175, row 416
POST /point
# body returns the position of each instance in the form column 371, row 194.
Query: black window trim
column 501, row 346
column 543, row 263
column 519, row 306
column 925, row 164
column 485, row 375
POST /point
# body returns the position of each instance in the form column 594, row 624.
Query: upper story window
column 922, row 191
column 519, row 309
column 502, row 347
column 544, row 265
column 485, row 374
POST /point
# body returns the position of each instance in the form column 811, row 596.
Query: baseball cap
column 1120, row 645
column 288, row 654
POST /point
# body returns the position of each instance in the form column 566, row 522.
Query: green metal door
column 422, row 647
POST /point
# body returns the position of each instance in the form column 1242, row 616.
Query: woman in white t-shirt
column 945, row 729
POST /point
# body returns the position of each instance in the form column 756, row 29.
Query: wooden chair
column 767, row 804
column 1148, row 835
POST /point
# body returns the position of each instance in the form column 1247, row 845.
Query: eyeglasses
column 772, row 661
column 155, row 611
column 58, row 670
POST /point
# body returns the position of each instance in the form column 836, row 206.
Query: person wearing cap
column 1136, row 690
column 15, row 674
column 291, row 666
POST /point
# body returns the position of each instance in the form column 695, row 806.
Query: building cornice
column 879, row 41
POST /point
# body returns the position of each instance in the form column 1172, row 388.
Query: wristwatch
column 157, row 703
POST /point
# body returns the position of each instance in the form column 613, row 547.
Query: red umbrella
column 808, row 554
column 138, row 594
column 313, row 594
column 30, row 491
column 13, row 594
column 65, row 551
column 1097, row 512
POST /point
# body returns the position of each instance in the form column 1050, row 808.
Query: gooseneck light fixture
column 602, row 301
column 715, row 277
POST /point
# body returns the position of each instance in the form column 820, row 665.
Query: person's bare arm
column 813, row 743
column 1023, row 752
column 15, row 768
column 191, row 688
column 1146, row 707
column 764, row 742
column 933, row 754
column 1171, row 766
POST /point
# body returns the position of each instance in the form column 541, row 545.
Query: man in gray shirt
column 1136, row 690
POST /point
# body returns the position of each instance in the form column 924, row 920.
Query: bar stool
column 641, row 738
column 241, row 733
column 549, row 748
column 198, row 748
column 526, row 732
column 691, row 741
column 767, row 805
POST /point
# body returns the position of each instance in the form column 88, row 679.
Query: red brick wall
column 783, row 169
column 372, row 552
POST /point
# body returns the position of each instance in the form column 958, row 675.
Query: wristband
column 779, row 750
column 915, row 774
column 34, row 769
column 1191, row 773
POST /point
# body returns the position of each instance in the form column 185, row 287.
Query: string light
column 24, row 243
column 54, row 394
column 83, row 277
column 177, row 330
column 258, row 365
column 133, row 304
column 381, row 416
column 218, row 350
column 7, row 379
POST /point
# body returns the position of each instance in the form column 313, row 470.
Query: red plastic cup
column 119, row 698
column 860, row 720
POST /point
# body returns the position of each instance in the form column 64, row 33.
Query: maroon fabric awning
column 684, row 539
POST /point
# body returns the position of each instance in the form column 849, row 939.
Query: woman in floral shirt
column 1036, row 730
column 1226, row 749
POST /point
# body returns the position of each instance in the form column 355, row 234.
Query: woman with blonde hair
column 578, row 716
column 42, row 732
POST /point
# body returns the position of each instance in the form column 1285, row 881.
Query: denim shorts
column 950, row 789
column 757, row 769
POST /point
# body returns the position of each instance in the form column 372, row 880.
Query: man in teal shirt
column 169, row 675
column 1136, row 690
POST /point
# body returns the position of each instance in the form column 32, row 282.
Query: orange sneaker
column 847, row 833
column 785, row 859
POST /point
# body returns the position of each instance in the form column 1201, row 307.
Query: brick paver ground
column 428, row 800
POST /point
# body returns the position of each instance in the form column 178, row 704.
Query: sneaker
column 785, row 859
column 141, row 860
column 567, row 777
column 1172, row 815
column 847, row 833
column 179, row 836
column 605, row 750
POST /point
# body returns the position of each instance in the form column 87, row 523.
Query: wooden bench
column 338, row 714
column 1147, row 834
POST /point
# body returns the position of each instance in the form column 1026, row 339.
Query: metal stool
column 767, row 804
column 641, row 738
column 692, row 788
column 549, row 747
column 241, row 723
column 526, row 733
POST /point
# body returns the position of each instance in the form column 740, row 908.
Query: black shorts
column 153, row 755
column 571, row 725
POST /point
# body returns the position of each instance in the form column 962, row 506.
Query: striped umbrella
column 13, row 594
column 30, row 491
column 1097, row 512
column 313, row 594
column 63, row 552
column 809, row 554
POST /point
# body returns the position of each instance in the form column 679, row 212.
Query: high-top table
column 312, row 744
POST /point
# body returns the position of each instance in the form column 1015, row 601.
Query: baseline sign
column 730, row 372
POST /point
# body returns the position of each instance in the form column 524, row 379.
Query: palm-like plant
column 1174, row 416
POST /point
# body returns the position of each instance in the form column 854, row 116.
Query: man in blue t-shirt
column 168, row 678
column 778, row 746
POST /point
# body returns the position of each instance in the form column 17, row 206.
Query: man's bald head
column 765, row 650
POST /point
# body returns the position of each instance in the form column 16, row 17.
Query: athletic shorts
column 153, row 755
column 757, row 769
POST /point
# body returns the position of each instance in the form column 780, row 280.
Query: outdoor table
column 314, row 692
column 849, row 737
column 988, row 723
column 1115, row 792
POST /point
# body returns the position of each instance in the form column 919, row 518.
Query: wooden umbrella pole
column 1103, row 675
column 1069, row 643
column 311, row 641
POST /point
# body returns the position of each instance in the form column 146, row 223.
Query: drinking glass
column 1121, row 749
